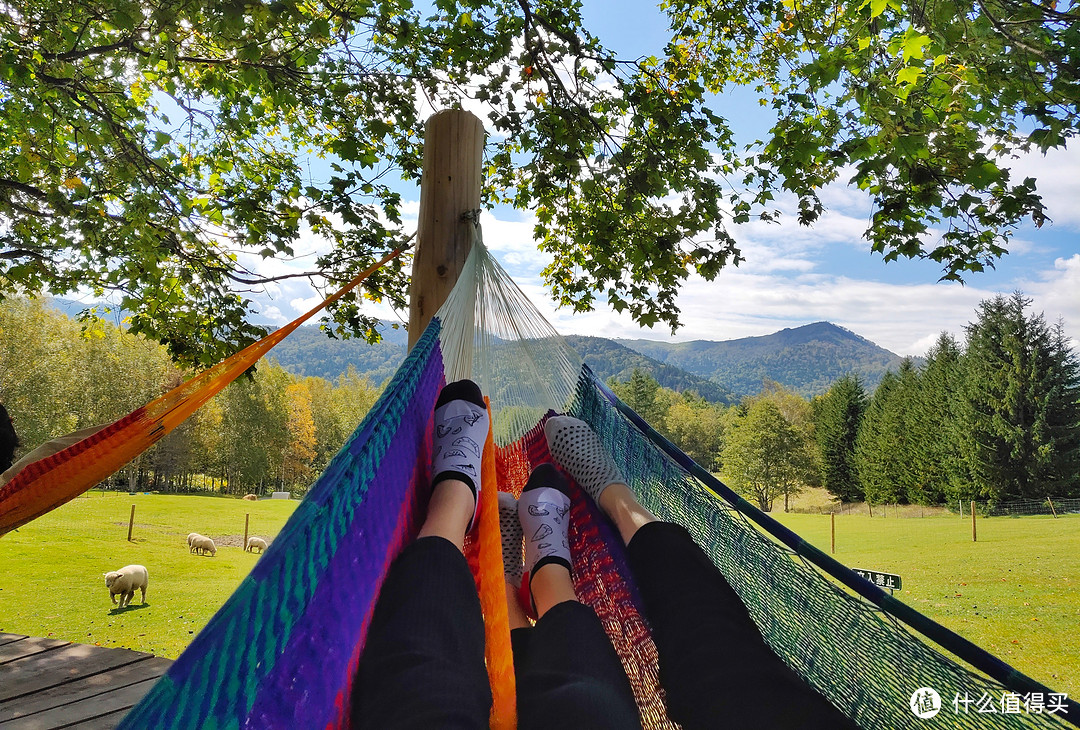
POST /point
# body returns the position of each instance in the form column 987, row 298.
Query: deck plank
column 26, row 647
column 105, row 722
column 80, row 689
column 36, row 672
column 8, row 638
column 99, row 708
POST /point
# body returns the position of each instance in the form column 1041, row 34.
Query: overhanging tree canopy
column 143, row 145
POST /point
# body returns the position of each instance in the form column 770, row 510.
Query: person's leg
column 714, row 665
column 423, row 663
column 568, row 674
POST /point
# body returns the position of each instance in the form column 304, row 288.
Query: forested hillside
column 308, row 351
column 610, row 359
column 807, row 359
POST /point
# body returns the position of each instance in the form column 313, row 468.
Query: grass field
column 52, row 582
column 1016, row 591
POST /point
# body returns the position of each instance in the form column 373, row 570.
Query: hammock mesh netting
column 283, row 650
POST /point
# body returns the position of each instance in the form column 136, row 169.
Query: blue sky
column 793, row 274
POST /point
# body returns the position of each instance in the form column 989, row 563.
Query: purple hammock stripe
column 311, row 682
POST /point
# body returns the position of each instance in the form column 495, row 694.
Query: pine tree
column 641, row 393
column 836, row 422
column 937, row 469
column 885, row 447
column 1020, row 404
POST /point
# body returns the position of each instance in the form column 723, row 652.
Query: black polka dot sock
column 577, row 448
column 461, row 429
column 512, row 537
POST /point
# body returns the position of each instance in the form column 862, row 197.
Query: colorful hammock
column 282, row 651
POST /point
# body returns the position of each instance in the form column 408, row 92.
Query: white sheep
column 204, row 545
column 255, row 542
column 123, row 582
column 190, row 539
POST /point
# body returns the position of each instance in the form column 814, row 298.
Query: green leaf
column 909, row 75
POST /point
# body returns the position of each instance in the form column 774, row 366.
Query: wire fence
column 158, row 521
column 1023, row 507
column 1016, row 508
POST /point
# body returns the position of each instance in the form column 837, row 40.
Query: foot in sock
column 461, row 429
column 544, row 514
column 512, row 537
column 577, row 448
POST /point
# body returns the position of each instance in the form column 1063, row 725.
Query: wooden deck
column 56, row 684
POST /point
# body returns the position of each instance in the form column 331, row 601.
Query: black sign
column 881, row 580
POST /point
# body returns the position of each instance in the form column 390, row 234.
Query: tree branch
column 74, row 55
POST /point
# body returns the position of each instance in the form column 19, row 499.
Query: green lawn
column 52, row 580
column 1015, row 592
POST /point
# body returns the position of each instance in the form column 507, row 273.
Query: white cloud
column 1057, row 294
column 303, row 305
column 1057, row 176
column 273, row 315
column 788, row 280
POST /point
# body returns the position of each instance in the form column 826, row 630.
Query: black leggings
column 423, row 666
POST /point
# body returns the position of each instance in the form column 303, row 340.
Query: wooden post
column 974, row 537
column 450, row 188
column 1052, row 510
column 246, row 518
column 131, row 522
column 833, row 516
column 961, row 508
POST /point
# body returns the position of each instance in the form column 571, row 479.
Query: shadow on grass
column 125, row 609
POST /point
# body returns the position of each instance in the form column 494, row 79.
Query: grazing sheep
column 251, row 497
column 255, row 542
column 203, row 545
column 123, row 582
column 191, row 541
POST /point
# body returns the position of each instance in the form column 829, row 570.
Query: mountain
column 806, row 359
column 308, row 351
column 609, row 358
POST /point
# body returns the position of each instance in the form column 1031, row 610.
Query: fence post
column 1052, row 510
column 833, row 520
column 961, row 508
column 131, row 522
column 974, row 537
column 246, row 518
